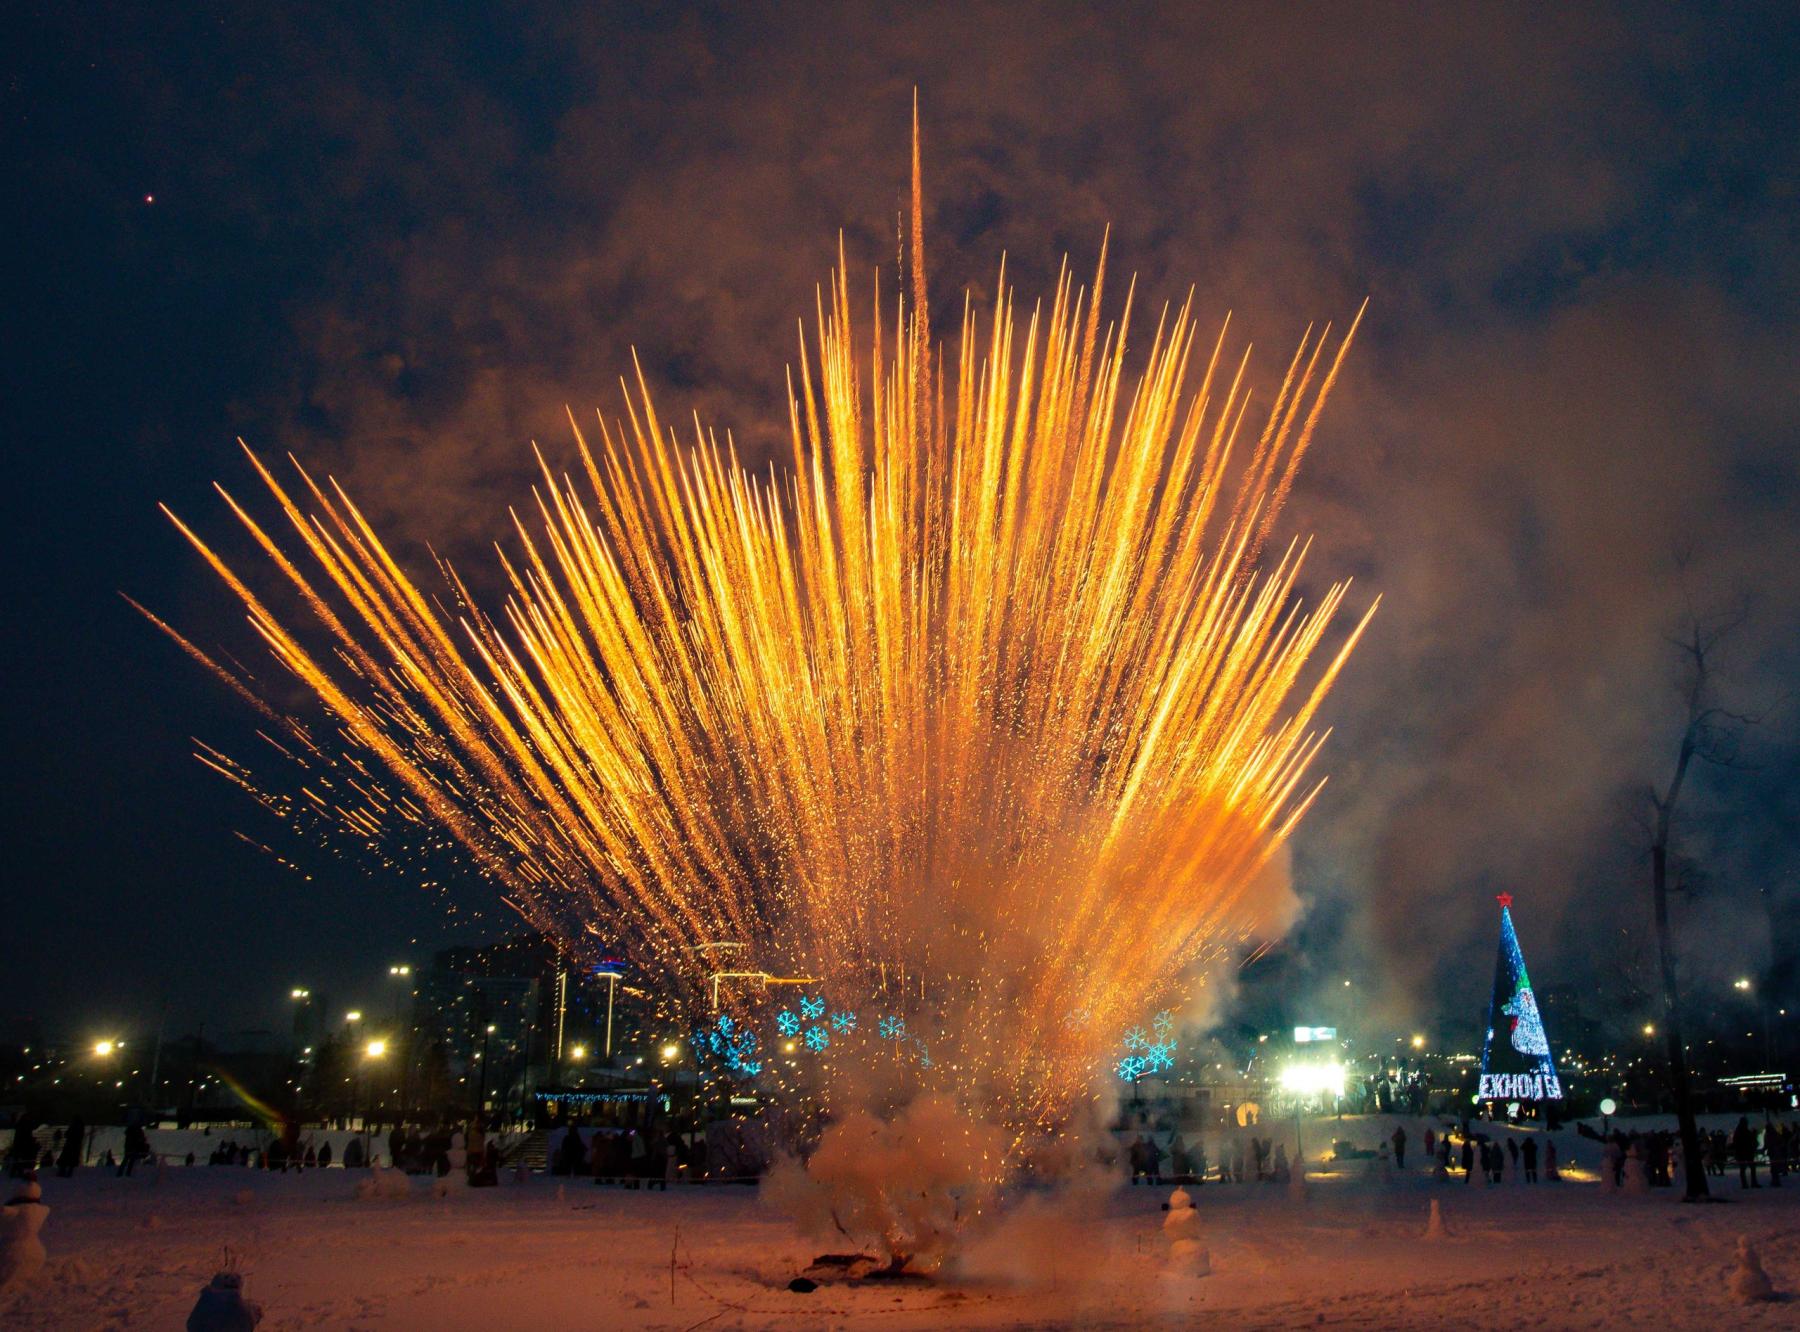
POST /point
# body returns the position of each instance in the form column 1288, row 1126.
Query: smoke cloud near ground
column 1576, row 231
column 906, row 1188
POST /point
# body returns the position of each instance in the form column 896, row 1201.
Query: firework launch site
column 1364, row 1246
column 583, row 1157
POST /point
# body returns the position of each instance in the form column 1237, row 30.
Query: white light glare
column 1313, row 1079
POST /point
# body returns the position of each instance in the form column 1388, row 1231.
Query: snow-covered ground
column 133, row 1253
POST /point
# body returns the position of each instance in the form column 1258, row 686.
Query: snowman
column 22, row 1253
column 1749, row 1282
column 1181, row 1227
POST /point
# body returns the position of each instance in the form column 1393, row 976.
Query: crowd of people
column 1497, row 1157
column 632, row 1156
column 1488, row 1152
column 1655, row 1156
column 1742, row 1147
column 1246, row 1157
column 1243, row 1157
column 650, row 1154
column 411, row 1148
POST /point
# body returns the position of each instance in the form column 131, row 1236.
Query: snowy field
column 133, row 1253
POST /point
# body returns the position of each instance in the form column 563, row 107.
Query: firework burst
column 997, row 702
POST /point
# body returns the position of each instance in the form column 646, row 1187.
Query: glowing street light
column 1303, row 1080
column 579, row 1052
column 375, row 1049
column 1649, row 1029
column 1418, row 1042
column 1741, row 983
column 354, row 1015
column 104, row 1048
column 401, row 970
column 670, row 1052
column 299, row 992
column 1313, row 1079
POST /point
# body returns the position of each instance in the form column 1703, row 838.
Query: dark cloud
column 1576, row 228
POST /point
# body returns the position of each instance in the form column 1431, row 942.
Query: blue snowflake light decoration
column 812, row 1008
column 733, row 1044
column 1149, row 1050
column 817, row 1039
column 843, row 1021
column 787, row 1023
column 892, row 1029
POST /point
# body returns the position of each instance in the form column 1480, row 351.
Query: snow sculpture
column 1434, row 1226
column 22, row 1253
column 458, row 1155
column 1181, row 1227
column 383, row 1183
column 1637, row 1178
column 1749, row 1282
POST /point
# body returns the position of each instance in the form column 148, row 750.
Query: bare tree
column 1709, row 735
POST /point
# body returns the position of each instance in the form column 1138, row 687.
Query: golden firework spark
column 991, row 699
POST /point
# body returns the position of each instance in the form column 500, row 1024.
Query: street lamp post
column 104, row 1048
column 481, row 1092
column 1743, row 986
column 402, row 972
column 374, row 1050
column 156, row 1060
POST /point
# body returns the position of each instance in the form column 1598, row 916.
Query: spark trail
column 995, row 688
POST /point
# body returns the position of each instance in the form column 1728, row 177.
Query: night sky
column 397, row 242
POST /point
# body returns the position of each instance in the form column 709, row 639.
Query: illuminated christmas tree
column 1516, row 1064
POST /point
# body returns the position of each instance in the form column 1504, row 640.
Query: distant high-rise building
column 526, row 1011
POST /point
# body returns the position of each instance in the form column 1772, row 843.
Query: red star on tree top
column 1504, row 899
